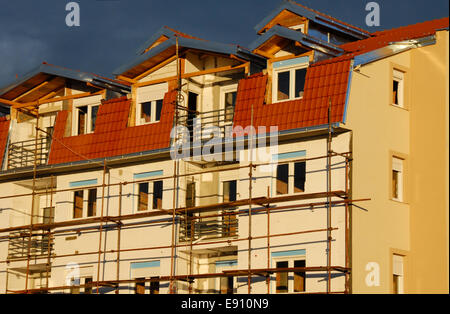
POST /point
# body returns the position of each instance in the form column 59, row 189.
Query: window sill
column 148, row 123
column 285, row 100
column 399, row 202
column 399, row 107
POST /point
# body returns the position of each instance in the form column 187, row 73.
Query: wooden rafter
column 38, row 103
column 155, row 68
column 193, row 74
column 31, row 90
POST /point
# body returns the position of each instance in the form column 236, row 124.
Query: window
column 299, row 177
column 92, row 202
column 85, row 119
column 150, row 112
column 190, row 195
column 78, row 204
column 398, row 88
column 282, row 179
column 226, row 285
column 88, row 285
column 282, row 278
column 229, row 219
column 283, row 183
column 299, row 277
column 397, row 179
column 398, row 275
column 285, row 282
column 230, row 103
column 154, row 286
column 139, row 286
column 289, row 83
column 157, row 194
column 143, row 197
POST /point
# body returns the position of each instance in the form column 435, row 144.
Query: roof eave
column 320, row 19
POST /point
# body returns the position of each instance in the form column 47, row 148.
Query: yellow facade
column 416, row 227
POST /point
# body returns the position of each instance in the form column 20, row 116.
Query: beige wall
column 417, row 227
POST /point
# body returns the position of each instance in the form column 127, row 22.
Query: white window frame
column 291, row 260
column 223, row 91
column 399, row 76
column 291, row 70
column 153, row 120
column 398, row 165
column 150, row 195
column 88, row 125
column 398, row 267
column 291, row 177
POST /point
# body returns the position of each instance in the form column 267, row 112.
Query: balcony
column 195, row 228
column 202, row 124
column 22, row 154
column 40, row 246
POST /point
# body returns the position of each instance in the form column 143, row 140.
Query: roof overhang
column 312, row 16
column 393, row 49
column 168, row 49
column 48, row 78
column 305, row 40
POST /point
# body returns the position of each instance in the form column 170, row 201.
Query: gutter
column 393, row 49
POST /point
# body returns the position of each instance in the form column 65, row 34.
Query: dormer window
column 85, row 118
column 150, row 111
column 289, row 83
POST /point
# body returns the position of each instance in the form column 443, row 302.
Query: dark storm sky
column 33, row 31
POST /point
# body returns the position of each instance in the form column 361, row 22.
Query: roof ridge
column 329, row 17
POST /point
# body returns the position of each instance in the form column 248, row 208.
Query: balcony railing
column 194, row 228
column 22, row 154
column 202, row 123
column 40, row 245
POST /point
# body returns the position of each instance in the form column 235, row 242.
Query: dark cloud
column 111, row 30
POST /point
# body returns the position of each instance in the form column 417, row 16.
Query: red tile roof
column 322, row 83
column 384, row 38
column 112, row 137
column 4, row 131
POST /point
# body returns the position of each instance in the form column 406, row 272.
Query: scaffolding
column 190, row 231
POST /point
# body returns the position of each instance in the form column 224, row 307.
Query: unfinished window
column 226, row 285
column 88, row 282
column 230, row 104
column 157, row 194
column 229, row 218
column 289, row 83
column 139, row 286
column 154, row 285
column 143, row 197
column 398, row 88
column 282, row 278
column 299, row 277
column 397, row 276
column 190, row 194
column 85, row 119
column 75, row 285
column 299, row 177
column 78, row 204
column 150, row 112
column 94, row 112
column 92, row 202
column 282, row 179
column 82, row 120
column 397, row 179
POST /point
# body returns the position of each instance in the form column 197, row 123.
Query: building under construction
column 313, row 161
